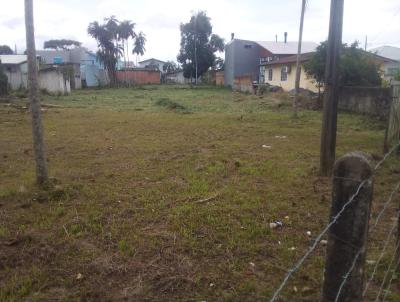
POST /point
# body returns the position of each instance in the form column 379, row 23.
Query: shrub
column 3, row 82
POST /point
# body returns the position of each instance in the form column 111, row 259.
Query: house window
column 262, row 75
column 270, row 74
column 247, row 46
column 284, row 73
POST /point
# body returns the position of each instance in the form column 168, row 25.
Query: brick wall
column 139, row 77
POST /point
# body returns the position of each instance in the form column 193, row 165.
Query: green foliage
column 198, row 45
column 5, row 50
column 138, row 46
column 3, row 82
column 109, row 36
column 357, row 67
column 170, row 66
column 62, row 44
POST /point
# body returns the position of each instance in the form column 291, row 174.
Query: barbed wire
column 385, row 245
column 377, row 166
column 387, row 273
column 391, row 279
column 326, row 229
column 347, row 275
column 316, row 241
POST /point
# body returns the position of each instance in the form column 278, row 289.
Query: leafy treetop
column 62, row 44
column 5, row 50
column 357, row 67
column 198, row 44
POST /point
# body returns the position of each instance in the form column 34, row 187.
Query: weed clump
column 171, row 105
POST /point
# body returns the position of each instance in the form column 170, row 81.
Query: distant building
column 87, row 69
column 16, row 70
column 152, row 63
column 282, row 73
column 390, row 67
column 247, row 58
column 51, row 78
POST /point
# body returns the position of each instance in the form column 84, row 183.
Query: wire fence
column 334, row 220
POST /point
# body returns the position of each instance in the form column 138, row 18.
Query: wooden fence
column 393, row 128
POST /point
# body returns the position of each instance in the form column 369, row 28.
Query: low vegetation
column 153, row 205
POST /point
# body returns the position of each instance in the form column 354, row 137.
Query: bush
column 3, row 82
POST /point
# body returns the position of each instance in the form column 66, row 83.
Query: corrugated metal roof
column 288, row 48
column 386, row 51
column 13, row 59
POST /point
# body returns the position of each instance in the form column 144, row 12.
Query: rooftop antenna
column 276, row 38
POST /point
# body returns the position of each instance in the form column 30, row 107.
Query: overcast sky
column 258, row 20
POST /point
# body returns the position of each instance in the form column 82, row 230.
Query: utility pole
column 331, row 95
column 195, row 45
column 298, row 66
column 37, row 127
column 366, row 43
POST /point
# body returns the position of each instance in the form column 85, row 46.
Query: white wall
column 53, row 81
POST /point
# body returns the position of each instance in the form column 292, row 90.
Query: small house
column 152, row 64
column 16, row 70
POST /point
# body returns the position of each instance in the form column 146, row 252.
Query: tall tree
column 37, row 127
column 198, row 45
column 62, row 44
column 139, row 45
column 109, row 51
column 298, row 66
column 6, row 50
column 126, row 31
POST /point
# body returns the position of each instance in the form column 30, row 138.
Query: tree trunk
column 37, row 127
column 298, row 66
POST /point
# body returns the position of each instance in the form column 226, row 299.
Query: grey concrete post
column 349, row 234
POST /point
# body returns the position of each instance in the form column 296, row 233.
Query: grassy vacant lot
column 166, row 194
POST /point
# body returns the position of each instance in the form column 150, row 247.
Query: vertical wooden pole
column 37, row 127
column 348, row 236
column 298, row 66
column 331, row 95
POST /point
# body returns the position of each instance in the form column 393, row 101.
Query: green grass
column 129, row 213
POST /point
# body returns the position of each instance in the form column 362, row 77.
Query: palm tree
column 125, row 31
column 109, row 50
column 37, row 127
column 139, row 44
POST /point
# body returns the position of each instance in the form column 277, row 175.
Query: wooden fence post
column 349, row 234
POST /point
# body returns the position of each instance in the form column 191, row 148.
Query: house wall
column 242, row 58
column 139, row 77
column 177, row 77
column 53, row 81
column 152, row 62
column 93, row 76
column 373, row 101
column 243, row 84
column 219, row 78
column 17, row 76
column 289, row 84
column 388, row 69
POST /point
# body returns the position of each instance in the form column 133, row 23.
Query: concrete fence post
column 349, row 234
